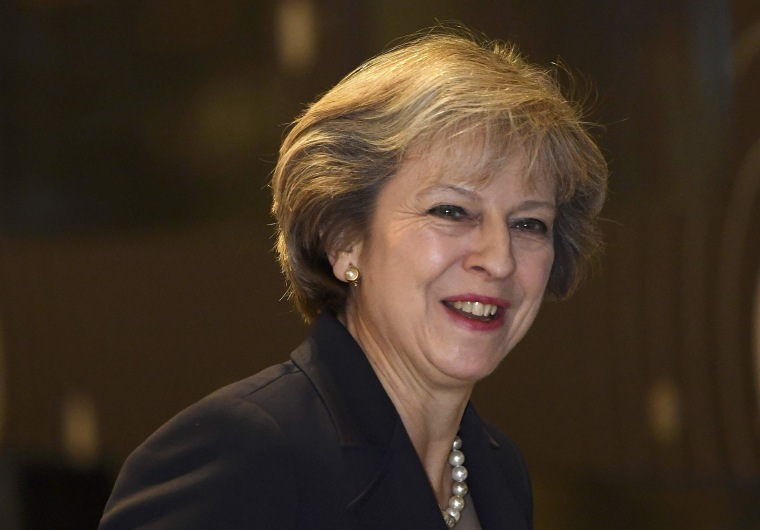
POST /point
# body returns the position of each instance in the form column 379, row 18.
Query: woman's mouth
column 474, row 310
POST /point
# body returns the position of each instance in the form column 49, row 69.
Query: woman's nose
column 491, row 252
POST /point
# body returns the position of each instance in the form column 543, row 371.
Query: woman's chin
column 468, row 369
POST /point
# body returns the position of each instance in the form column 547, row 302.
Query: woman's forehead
column 468, row 161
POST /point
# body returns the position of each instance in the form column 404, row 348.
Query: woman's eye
column 449, row 211
column 531, row 225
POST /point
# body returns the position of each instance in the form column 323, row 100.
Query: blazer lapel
column 398, row 494
column 492, row 495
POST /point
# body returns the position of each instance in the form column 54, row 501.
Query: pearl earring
column 352, row 275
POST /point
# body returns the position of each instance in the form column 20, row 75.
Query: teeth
column 476, row 308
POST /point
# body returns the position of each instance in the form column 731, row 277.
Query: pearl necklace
column 452, row 513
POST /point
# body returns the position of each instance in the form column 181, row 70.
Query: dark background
column 136, row 272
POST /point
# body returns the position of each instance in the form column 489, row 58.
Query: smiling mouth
column 474, row 310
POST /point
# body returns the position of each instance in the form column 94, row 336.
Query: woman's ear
column 343, row 260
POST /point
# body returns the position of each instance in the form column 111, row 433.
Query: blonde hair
column 345, row 146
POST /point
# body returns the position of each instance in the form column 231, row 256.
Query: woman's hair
column 438, row 87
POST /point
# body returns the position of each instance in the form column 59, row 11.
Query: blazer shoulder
column 220, row 463
column 256, row 387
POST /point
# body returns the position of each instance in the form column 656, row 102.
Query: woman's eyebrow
column 537, row 203
column 473, row 195
column 460, row 190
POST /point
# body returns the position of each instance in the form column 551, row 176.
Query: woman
column 425, row 205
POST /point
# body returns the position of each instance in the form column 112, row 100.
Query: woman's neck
column 432, row 425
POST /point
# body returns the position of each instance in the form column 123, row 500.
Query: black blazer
column 311, row 443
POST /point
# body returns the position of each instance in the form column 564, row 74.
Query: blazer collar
column 390, row 488
column 336, row 365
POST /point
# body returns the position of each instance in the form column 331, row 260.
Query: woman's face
column 454, row 269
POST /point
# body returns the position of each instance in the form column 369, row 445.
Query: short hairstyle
column 342, row 150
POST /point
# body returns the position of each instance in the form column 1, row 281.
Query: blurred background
column 136, row 273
